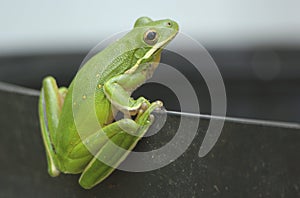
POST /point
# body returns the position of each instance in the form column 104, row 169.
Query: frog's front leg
column 118, row 90
column 50, row 104
column 127, row 133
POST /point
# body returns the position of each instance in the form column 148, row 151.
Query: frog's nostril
column 169, row 24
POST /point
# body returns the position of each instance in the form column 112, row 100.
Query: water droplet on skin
column 84, row 97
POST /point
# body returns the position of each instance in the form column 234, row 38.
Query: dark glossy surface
column 249, row 160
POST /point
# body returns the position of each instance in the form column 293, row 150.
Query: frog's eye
column 151, row 37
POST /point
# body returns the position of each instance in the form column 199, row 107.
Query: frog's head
column 149, row 37
column 154, row 35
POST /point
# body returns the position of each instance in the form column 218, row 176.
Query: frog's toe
column 144, row 106
column 159, row 103
column 140, row 112
column 151, row 118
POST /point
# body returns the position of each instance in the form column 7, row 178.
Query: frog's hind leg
column 50, row 104
column 126, row 134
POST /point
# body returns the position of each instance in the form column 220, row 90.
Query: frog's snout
column 171, row 24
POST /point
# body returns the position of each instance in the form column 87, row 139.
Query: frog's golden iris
column 151, row 37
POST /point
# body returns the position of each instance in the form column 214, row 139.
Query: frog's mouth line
column 158, row 47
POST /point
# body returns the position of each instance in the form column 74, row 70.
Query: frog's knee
column 49, row 80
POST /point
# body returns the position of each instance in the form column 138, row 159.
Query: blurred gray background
column 34, row 26
column 256, row 45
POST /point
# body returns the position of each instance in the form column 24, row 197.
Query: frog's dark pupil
column 151, row 36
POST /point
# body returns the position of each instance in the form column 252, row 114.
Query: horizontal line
column 240, row 120
column 18, row 89
column 32, row 92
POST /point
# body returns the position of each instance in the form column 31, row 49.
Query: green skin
column 124, row 65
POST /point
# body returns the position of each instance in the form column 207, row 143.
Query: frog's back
column 86, row 85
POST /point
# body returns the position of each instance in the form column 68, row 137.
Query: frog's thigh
column 94, row 142
column 96, row 171
column 50, row 103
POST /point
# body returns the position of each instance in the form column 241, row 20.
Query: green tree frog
column 125, row 65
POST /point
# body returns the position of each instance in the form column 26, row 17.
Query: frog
column 106, row 81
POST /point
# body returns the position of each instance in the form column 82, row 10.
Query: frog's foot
column 50, row 104
column 144, row 114
column 134, row 106
column 144, row 106
column 151, row 118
